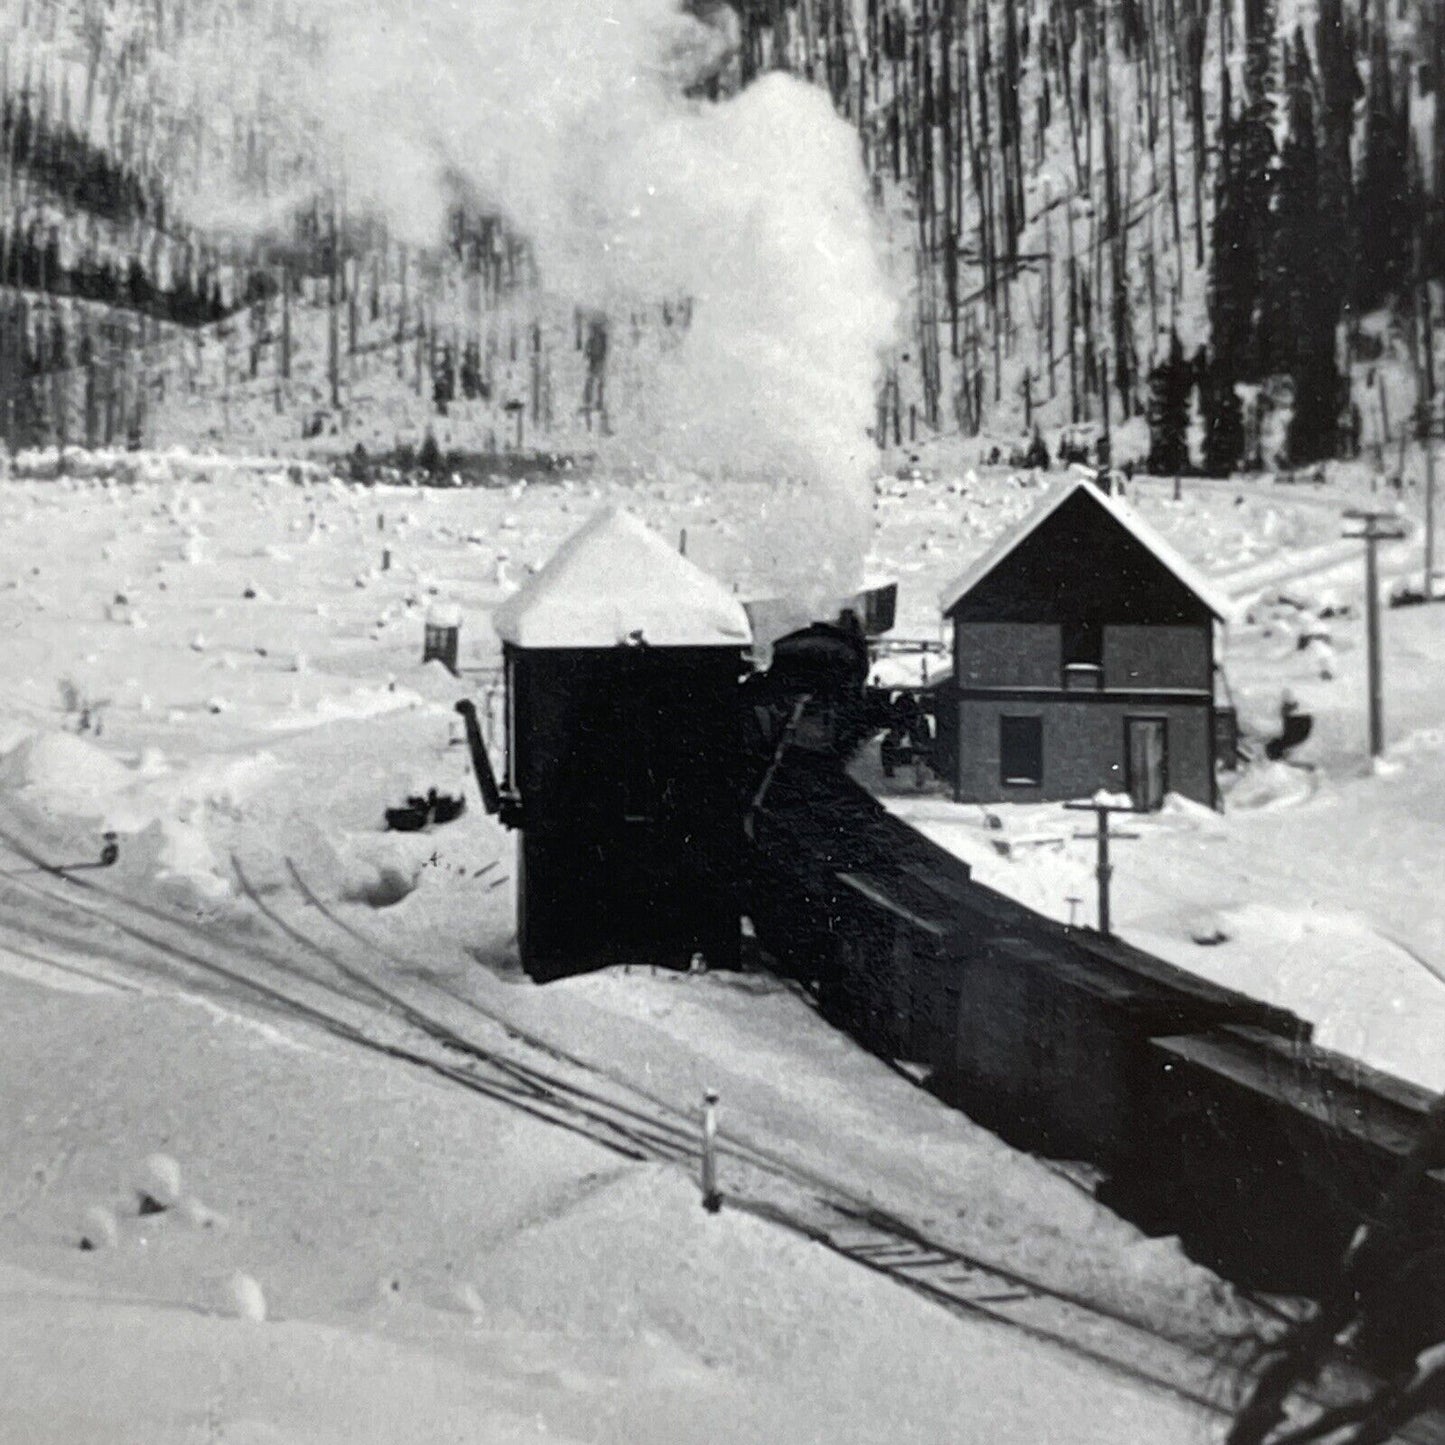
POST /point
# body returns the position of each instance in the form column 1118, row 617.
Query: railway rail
column 311, row 982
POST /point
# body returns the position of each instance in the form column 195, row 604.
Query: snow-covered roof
column 1184, row 572
column 613, row 583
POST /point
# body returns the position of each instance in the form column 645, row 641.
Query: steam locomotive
column 813, row 696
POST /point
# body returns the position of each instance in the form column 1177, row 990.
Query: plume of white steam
column 569, row 117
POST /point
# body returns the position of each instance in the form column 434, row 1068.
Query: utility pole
column 1103, row 871
column 1429, row 444
column 1424, row 353
column 333, row 326
column 1374, row 528
column 1427, row 438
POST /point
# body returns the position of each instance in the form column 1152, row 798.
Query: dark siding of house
column 1007, row 654
column 1079, row 572
column 1157, row 657
column 1083, row 746
column 1080, row 562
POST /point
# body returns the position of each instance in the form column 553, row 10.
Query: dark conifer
column 429, row 458
column 1255, row 158
column 472, row 385
column 1339, row 90
column 1233, row 270
column 1305, row 304
column 1385, row 203
column 1170, row 384
column 444, row 381
column 139, row 291
column 1037, row 455
column 1223, row 421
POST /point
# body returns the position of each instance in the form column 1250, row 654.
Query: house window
column 1083, row 654
column 1021, row 751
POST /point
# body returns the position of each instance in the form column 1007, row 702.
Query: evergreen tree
column 1385, row 203
column 1233, row 267
column 1340, row 89
column 1037, row 455
column 429, row 458
column 139, row 291
column 1223, row 420
column 473, row 386
column 444, row 381
column 1169, row 386
column 1305, row 304
column 1255, row 178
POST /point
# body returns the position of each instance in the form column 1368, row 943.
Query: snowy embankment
column 433, row 1270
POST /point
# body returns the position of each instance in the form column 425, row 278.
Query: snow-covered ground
column 213, row 659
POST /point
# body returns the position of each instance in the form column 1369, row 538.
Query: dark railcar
column 1269, row 1155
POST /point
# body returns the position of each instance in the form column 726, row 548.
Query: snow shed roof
column 614, row 583
column 1188, row 575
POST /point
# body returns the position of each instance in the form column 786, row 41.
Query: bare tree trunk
column 1049, row 284
column 1073, row 319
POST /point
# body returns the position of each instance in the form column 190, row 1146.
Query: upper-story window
column 1083, row 655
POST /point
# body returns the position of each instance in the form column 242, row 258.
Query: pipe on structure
column 481, row 762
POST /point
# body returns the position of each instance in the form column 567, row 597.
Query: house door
column 1146, row 749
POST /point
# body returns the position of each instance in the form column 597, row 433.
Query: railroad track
column 298, row 996
column 312, row 982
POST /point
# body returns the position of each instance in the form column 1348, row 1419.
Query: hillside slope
column 1047, row 175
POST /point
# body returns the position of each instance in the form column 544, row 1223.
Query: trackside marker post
column 711, row 1199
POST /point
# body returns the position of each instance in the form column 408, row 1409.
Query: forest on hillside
column 1185, row 212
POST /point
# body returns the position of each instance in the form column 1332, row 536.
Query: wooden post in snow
column 711, row 1198
column 1374, row 528
column 1104, row 870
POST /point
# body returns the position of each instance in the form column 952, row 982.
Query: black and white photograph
column 722, row 722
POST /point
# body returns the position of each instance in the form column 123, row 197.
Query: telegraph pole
column 1102, row 836
column 1372, row 529
column 1430, row 504
column 1427, row 436
column 1425, row 384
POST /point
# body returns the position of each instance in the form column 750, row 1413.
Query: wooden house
column 1084, row 656
column 622, row 662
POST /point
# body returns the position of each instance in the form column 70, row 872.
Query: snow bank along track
column 294, row 976
column 302, row 979
column 1212, row 1115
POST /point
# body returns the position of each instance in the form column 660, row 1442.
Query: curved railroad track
column 293, row 975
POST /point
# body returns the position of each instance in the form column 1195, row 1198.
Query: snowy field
column 220, row 663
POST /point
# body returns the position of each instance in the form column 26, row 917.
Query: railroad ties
column 966, row 1285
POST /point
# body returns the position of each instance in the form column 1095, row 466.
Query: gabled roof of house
column 1188, row 575
column 614, row 582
